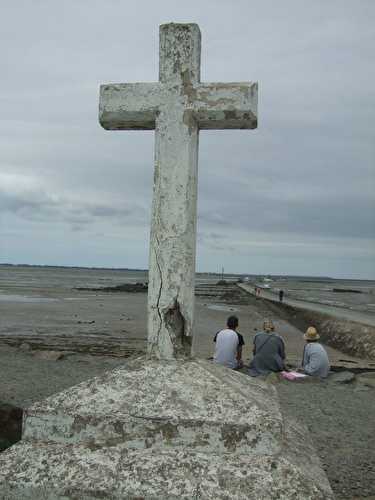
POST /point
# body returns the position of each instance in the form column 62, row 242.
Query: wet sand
column 340, row 417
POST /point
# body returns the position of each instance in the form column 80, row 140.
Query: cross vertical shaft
column 174, row 211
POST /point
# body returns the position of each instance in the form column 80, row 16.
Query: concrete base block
column 56, row 471
column 194, row 404
column 165, row 430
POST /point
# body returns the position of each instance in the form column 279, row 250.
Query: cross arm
column 129, row 106
column 226, row 105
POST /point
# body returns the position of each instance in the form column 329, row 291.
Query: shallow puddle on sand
column 221, row 307
column 23, row 298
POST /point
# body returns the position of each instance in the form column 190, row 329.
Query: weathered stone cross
column 177, row 107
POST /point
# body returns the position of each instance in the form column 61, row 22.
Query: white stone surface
column 193, row 404
column 177, row 107
column 143, row 432
column 52, row 472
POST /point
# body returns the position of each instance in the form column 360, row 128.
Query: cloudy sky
column 295, row 196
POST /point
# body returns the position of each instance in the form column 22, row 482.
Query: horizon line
column 9, row 264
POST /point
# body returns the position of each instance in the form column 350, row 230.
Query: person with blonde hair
column 315, row 360
column 268, row 351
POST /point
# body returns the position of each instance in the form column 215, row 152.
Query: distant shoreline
column 209, row 273
column 48, row 266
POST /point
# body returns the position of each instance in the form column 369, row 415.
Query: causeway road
column 338, row 312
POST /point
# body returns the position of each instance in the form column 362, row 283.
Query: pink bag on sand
column 292, row 375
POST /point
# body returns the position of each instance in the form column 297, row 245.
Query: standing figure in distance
column 228, row 349
column 269, row 351
column 315, row 360
column 281, row 295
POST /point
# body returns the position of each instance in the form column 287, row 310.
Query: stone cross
column 177, row 107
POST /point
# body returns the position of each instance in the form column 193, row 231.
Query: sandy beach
column 339, row 416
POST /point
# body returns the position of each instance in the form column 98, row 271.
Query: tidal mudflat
column 340, row 416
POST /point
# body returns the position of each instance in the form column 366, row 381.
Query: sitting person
column 269, row 351
column 228, row 349
column 315, row 359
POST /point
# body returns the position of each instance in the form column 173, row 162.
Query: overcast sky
column 295, row 196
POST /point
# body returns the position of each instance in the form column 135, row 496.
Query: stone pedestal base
column 162, row 430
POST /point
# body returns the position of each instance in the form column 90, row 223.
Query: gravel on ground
column 341, row 421
column 25, row 378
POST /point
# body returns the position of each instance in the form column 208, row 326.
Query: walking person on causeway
column 228, row 348
column 269, row 351
column 315, row 358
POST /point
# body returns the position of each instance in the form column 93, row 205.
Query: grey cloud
column 307, row 170
column 216, row 242
column 327, row 217
column 39, row 206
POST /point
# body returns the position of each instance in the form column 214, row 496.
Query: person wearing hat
column 315, row 360
column 268, row 351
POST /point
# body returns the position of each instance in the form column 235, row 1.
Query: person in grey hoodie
column 268, row 351
column 315, row 359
